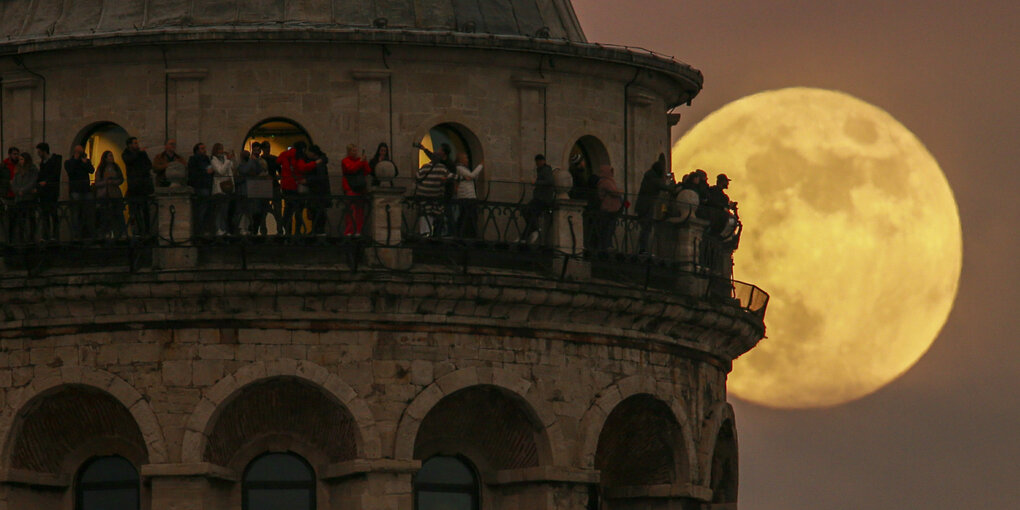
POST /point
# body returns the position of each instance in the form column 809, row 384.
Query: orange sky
column 944, row 436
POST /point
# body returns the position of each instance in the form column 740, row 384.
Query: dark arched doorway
column 280, row 132
column 100, row 137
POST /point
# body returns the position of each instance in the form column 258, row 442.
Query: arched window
column 446, row 483
column 107, row 483
column 278, row 481
column 459, row 138
column 280, row 132
column 101, row 137
column 588, row 153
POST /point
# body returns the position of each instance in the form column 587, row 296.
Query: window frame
column 310, row 485
column 81, row 487
column 473, row 489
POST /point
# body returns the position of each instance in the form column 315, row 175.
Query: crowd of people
column 235, row 194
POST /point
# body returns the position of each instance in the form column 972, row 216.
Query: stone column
column 22, row 118
column 385, row 222
column 174, row 228
column 188, row 486
column 531, row 123
column 373, row 108
column 566, row 237
column 184, row 116
column 687, row 249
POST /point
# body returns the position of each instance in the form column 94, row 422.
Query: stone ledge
column 36, row 478
column 201, row 469
column 663, row 491
column 356, row 467
column 542, row 474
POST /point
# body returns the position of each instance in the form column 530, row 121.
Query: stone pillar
column 184, row 116
column 686, row 250
column 22, row 116
column 545, row 488
column 385, row 222
column 380, row 484
column 174, row 228
column 566, row 237
column 373, row 108
column 188, row 486
column 531, row 124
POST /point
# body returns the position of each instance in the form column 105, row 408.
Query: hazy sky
column 946, row 435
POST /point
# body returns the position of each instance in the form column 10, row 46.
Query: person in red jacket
column 294, row 165
column 9, row 165
column 356, row 171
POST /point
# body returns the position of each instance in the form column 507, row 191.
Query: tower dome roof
column 24, row 20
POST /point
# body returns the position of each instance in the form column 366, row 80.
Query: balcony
column 390, row 229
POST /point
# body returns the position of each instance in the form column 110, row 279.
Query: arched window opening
column 101, row 137
column 278, row 481
column 724, row 467
column 640, row 444
column 446, row 483
column 587, row 155
column 281, row 133
column 108, row 483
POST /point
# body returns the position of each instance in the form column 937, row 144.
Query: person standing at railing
column 200, row 178
column 611, row 204
column 467, row 197
column 653, row 185
column 222, row 164
column 11, row 164
column 249, row 213
column 109, row 198
column 49, row 191
column 79, row 169
column 25, row 188
column 430, row 186
column 319, row 191
column 356, row 173
column 273, row 169
column 382, row 153
column 168, row 159
column 719, row 205
column 140, row 188
column 542, row 200
column 294, row 164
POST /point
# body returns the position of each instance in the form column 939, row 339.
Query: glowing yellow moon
column 852, row 228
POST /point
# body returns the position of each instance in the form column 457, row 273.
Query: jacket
column 24, row 185
column 652, row 184
column 108, row 182
column 49, row 172
column 78, row 172
column 351, row 167
column 139, row 173
column 223, row 171
column 292, row 169
column 609, row 193
column 198, row 177
column 318, row 179
column 545, row 191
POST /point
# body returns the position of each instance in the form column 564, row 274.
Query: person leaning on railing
column 611, row 206
column 430, row 186
column 24, row 186
column 48, row 190
column 200, row 178
column 542, row 200
column 356, row 172
column 467, row 197
column 139, row 178
column 79, row 169
column 319, row 192
column 109, row 178
column 653, row 185
column 222, row 164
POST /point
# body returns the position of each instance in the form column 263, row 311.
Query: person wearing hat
column 718, row 204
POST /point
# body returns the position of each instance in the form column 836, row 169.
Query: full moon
column 849, row 224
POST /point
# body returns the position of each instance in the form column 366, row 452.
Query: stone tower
column 167, row 370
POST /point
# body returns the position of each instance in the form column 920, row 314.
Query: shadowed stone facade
column 562, row 390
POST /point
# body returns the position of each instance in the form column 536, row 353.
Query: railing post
column 567, row 239
column 385, row 221
column 690, row 237
column 174, row 250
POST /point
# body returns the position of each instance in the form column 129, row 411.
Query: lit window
column 445, row 483
column 108, row 483
column 278, row 481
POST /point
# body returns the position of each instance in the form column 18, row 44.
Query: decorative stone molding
column 200, row 469
column 371, row 74
column 342, row 470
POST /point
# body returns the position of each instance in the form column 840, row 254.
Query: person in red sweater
column 10, row 164
column 356, row 171
column 294, row 165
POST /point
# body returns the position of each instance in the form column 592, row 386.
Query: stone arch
column 719, row 454
column 460, row 123
column 92, row 126
column 595, row 417
column 208, row 410
column 299, row 131
column 549, row 439
column 593, row 149
column 95, row 382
